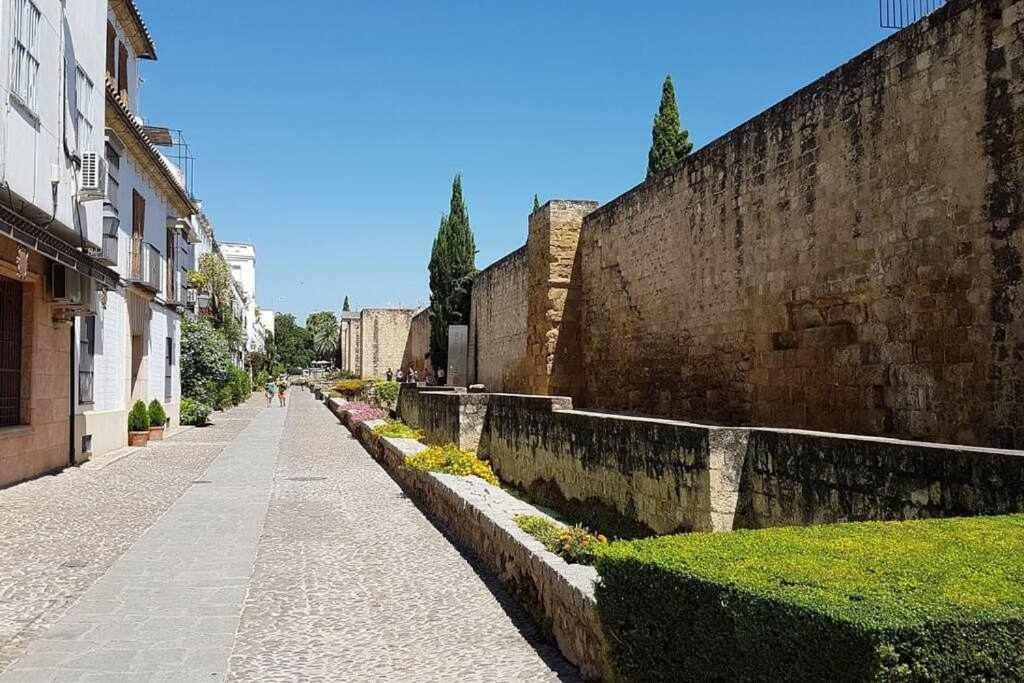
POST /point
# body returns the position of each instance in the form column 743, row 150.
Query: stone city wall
column 497, row 329
column 384, row 335
column 849, row 260
column 417, row 346
column 636, row 476
column 409, row 401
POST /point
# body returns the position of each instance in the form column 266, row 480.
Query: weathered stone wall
column 802, row 478
column 384, row 334
column 849, row 260
column 623, row 475
column 452, row 417
column 409, row 401
column 497, row 329
column 417, row 346
column 629, row 475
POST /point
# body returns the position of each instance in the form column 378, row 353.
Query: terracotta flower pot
column 156, row 433
column 138, row 438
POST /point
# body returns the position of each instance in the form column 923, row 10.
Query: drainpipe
column 71, row 401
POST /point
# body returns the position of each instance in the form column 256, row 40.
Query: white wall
column 32, row 141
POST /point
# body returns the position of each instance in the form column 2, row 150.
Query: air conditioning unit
column 71, row 290
column 92, row 178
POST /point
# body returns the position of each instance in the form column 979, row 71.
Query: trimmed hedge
column 906, row 601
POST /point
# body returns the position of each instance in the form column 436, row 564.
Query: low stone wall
column 559, row 596
column 408, row 410
column 627, row 476
column 452, row 417
column 634, row 476
column 793, row 477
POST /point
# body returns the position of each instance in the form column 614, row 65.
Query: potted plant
column 157, row 420
column 138, row 425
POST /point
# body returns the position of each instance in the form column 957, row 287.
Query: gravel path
column 258, row 549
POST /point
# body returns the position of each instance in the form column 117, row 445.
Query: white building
column 51, row 119
column 242, row 259
column 129, row 349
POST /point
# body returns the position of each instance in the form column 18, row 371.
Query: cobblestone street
column 269, row 546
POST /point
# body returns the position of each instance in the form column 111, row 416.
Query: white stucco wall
column 32, row 139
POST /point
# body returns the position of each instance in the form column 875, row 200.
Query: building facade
column 51, row 84
column 373, row 340
column 128, row 350
column 242, row 260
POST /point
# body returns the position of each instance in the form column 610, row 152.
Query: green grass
column 897, row 600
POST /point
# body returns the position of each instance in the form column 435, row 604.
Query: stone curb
column 558, row 595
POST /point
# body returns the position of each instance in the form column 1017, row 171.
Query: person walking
column 389, row 374
column 440, row 376
column 270, row 390
column 400, row 376
column 282, row 393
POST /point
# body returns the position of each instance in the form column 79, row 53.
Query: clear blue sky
column 328, row 131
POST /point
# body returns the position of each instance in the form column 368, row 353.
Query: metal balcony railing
column 145, row 270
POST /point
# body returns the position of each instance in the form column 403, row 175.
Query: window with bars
column 10, row 352
column 84, row 96
column 86, row 359
column 167, row 368
column 25, row 18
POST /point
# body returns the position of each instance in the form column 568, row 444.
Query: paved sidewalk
column 293, row 557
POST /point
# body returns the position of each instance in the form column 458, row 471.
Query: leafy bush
column 574, row 544
column 157, row 415
column 385, row 394
column 336, row 375
column 363, row 412
column 926, row 600
column 350, row 387
column 262, row 377
column 239, row 385
column 225, row 398
column 138, row 418
column 396, row 429
column 293, row 370
column 204, row 359
column 449, row 459
column 194, row 413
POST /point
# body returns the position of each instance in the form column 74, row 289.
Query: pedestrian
column 412, row 374
column 270, row 390
column 400, row 375
column 440, row 376
column 282, row 394
column 389, row 374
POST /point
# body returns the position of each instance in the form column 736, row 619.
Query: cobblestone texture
column 353, row 583
column 59, row 533
column 127, row 570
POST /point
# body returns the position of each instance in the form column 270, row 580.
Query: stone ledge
column 558, row 595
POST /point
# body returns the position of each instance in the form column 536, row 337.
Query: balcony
column 175, row 295
column 145, row 270
column 107, row 253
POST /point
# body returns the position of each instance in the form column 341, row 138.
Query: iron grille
column 168, row 364
column 10, row 352
column 897, row 14
column 87, row 359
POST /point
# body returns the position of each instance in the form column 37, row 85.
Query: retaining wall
column 452, row 417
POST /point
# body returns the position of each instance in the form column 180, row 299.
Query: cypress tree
column 536, row 203
column 452, row 266
column 345, row 306
column 670, row 142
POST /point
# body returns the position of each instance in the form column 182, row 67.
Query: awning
column 40, row 240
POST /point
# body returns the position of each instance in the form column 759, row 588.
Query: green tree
column 204, row 358
column 345, row 306
column 292, row 341
column 670, row 142
column 452, row 266
column 323, row 331
column 214, row 277
column 536, row 202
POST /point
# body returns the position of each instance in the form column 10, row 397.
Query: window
column 167, row 368
column 171, row 291
column 10, row 352
column 113, row 171
column 25, row 51
column 84, row 96
column 86, row 360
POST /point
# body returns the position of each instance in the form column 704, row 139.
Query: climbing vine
column 214, row 277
